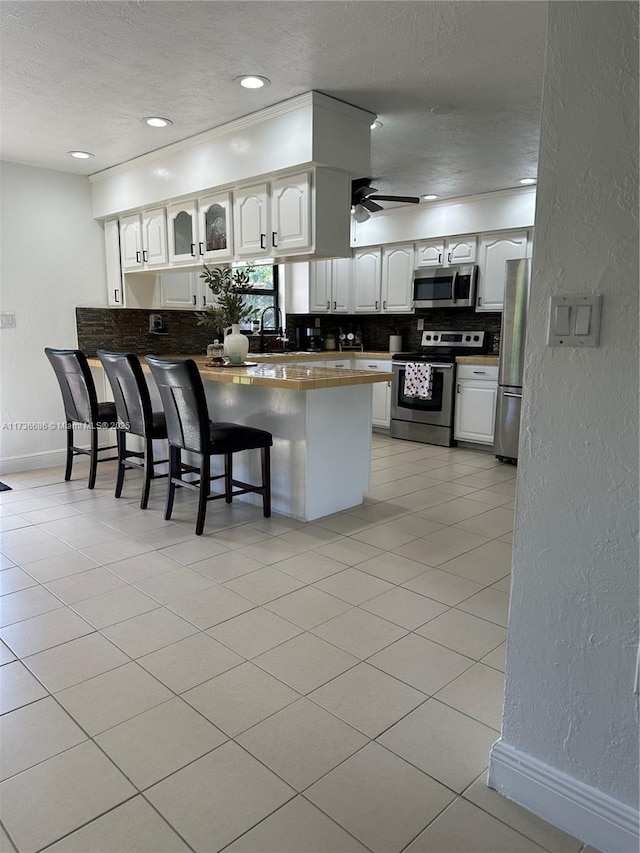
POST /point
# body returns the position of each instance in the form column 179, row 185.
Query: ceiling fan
column 365, row 198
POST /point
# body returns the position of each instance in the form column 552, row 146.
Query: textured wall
column 573, row 630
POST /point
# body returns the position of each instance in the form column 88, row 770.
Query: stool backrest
column 76, row 384
column 130, row 391
column 183, row 398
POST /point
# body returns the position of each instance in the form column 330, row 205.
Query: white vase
column 236, row 345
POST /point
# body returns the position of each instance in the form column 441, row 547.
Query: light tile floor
column 272, row 686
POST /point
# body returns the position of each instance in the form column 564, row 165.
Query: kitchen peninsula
column 320, row 419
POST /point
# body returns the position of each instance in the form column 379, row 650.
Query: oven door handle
column 441, row 366
column 454, row 282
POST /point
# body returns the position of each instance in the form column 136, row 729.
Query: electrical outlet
column 421, row 324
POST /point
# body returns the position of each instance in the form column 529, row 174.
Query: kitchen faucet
column 279, row 328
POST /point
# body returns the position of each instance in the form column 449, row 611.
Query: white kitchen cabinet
column 397, row 279
column 143, row 240
column 115, row 285
column 200, row 229
column 367, row 281
column 319, row 287
column 251, row 221
column 475, row 404
column 180, row 289
column 330, row 286
column 381, row 391
column 495, row 251
column 442, row 253
column 291, row 213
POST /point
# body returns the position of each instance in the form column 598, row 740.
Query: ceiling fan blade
column 371, row 205
column 363, row 192
column 407, row 199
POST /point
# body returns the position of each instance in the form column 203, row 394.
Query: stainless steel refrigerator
column 512, row 339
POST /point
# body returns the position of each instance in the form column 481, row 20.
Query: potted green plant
column 229, row 308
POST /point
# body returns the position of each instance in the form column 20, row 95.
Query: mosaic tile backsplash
column 127, row 329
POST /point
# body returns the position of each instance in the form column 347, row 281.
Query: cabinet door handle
column 479, row 301
column 335, row 305
column 195, row 301
column 138, row 257
column 115, row 295
column 193, row 250
column 204, row 301
column 439, row 257
column 479, row 371
column 376, row 304
column 372, row 366
column 449, row 258
column 328, row 305
column 263, row 238
column 201, row 248
column 145, row 256
column 274, row 235
column 384, row 304
column 458, row 388
column 388, row 385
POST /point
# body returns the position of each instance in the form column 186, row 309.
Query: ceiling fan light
column 360, row 214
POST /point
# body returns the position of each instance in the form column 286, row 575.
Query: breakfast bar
column 320, row 419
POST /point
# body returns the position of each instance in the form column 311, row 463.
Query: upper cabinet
column 495, row 251
column 143, row 240
column 200, row 230
column 367, row 280
column 397, row 279
column 274, row 219
column 291, row 213
column 442, row 253
column 115, row 288
column 330, row 286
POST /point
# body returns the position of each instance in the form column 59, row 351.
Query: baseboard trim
column 584, row 812
column 33, row 461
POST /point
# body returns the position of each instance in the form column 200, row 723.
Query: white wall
column 573, row 630
column 52, row 260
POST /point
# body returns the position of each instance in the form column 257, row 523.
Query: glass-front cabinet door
column 183, row 240
column 215, row 229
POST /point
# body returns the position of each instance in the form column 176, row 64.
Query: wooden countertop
column 325, row 355
column 281, row 375
column 478, row 359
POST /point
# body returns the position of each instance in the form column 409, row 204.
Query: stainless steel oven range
column 431, row 420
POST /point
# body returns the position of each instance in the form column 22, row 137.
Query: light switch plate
column 574, row 321
column 421, row 324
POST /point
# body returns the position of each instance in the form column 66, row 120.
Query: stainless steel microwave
column 445, row 287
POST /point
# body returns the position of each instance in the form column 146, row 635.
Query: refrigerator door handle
column 509, row 394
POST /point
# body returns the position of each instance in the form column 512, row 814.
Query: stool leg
column 122, row 454
column 266, row 481
column 93, row 459
column 228, row 477
column 67, row 470
column 205, row 485
column 174, row 471
column 148, row 471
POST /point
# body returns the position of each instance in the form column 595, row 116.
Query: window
column 263, row 291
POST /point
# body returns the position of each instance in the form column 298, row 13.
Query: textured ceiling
column 80, row 75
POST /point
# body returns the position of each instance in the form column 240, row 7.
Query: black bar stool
column 135, row 416
column 81, row 406
column 190, row 429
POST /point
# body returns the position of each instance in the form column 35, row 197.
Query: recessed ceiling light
column 253, row 81
column 80, row 155
column 442, row 109
column 376, row 124
column 156, row 121
column 430, row 197
column 528, row 181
